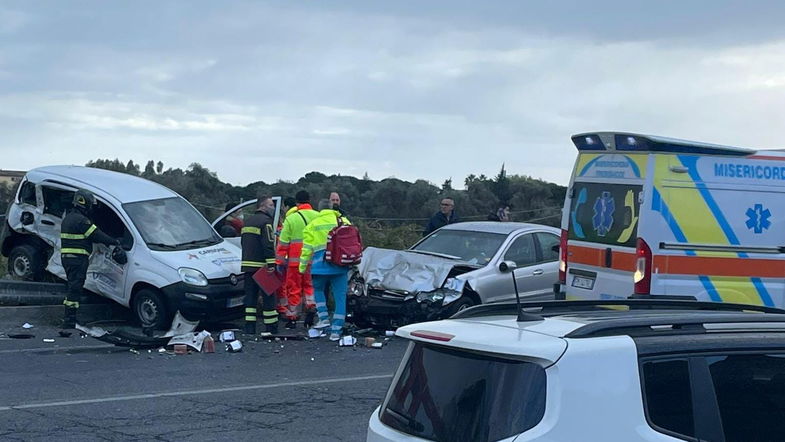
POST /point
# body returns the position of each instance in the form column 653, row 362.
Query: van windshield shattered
column 171, row 224
column 449, row 395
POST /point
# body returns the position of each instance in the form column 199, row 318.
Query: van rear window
column 450, row 395
column 605, row 213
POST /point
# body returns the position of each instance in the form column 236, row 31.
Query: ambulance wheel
column 25, row 263
column 150, row 309
column 458, row 305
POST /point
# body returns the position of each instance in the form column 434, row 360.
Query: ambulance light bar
column 629, row 142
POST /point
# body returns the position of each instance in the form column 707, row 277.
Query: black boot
column 310, row 318
column 272, row 328
column 69, row 319
column 250, row 328
column 291, row 324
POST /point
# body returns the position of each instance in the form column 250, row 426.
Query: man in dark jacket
column 445, row 215
column 258, row 243
column 77, row 235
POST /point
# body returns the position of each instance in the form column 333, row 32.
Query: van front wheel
column 150, row 309
column 25, row 263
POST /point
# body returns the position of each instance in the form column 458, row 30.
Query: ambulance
column 653, row 216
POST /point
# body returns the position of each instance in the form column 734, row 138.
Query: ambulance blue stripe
column 633, row 166
column 588, row 165
column 691, row 163
column 710, row 288
column 764, row 294
column 658, row 204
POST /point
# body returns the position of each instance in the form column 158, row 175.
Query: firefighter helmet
column 84, row 199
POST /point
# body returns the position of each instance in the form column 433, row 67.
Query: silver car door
column 523, row 251
column 247, row 208
column 547, row 262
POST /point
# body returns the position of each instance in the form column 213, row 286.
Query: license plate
column 234, row 302
column 583, row 283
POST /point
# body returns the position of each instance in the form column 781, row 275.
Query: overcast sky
column 413, row 89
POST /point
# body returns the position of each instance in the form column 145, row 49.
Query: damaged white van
column 176, row 259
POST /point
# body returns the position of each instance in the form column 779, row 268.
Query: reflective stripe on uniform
column 251, row 264
column 250, row 318
column 270, row 316
column 251, row 230
column 250, row 310
column 90, row 230
column 74, row 251
column 71, row 236
column 72, row 304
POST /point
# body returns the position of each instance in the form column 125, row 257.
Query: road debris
column 50, row 340
column 389, row 333
column 180, row 349
column 208, row 346
column 193, row 340
column 315, row 333
column 27, row 325
column 134, row 351
column 369, row 341
column 347, row 341
column 227, row 336
column 235, row 347
column 377, row 345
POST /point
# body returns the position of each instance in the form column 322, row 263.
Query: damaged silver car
column 453, row 268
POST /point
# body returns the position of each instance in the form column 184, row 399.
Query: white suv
column 622, row 370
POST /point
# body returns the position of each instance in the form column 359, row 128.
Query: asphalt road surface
column 81, row 389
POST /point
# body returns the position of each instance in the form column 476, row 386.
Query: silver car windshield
column 171, row 224
column 465, row 245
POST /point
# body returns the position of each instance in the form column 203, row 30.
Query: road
column 82, row 389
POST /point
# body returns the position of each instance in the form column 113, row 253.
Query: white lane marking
column 190, row 392
column 58, row 349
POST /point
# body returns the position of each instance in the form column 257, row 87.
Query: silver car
column 453, row 268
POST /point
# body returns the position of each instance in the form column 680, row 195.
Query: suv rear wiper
column 441, row 255
column 409, row 421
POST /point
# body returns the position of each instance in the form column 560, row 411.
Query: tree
column 159, row 168
column 447, row 185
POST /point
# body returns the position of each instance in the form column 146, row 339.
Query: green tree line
column 390, row 212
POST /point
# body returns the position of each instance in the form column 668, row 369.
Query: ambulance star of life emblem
column 758, row 218
column 602, row 221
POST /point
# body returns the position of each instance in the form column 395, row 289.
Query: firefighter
column 258, row 243
column 77, row 235
column 290, row 246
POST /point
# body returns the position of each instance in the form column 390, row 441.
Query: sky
column 267, row 91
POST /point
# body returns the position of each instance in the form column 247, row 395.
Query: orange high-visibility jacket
column 290, row 243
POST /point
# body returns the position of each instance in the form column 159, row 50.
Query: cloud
column 267, row 91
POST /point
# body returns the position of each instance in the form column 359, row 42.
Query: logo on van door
column 604, row 206
column 758, row 218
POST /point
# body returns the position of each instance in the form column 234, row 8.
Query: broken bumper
column 219, row 300
column 388, row 310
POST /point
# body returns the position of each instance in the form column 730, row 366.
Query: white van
column 647, row 215
column 176, row 259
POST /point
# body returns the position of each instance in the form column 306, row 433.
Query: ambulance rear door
column 602, row 219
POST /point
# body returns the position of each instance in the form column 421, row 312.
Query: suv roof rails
column 683, row 324
column 538, row 310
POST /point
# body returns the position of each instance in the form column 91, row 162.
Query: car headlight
column 192, row 276
column 435, row 296
column 356, row 288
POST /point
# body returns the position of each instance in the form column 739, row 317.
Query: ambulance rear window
column 605, row 213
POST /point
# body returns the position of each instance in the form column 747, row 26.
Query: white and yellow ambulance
column 648, row 215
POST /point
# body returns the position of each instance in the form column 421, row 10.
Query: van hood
column 409, row 272
column 218, row 261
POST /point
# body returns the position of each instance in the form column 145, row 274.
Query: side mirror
column 27, row 218
column 507, row 266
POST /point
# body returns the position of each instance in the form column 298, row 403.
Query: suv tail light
column 643, row 265
column 563, row 257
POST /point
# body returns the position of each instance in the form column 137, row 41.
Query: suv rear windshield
column 605, row 213
column 452, row 395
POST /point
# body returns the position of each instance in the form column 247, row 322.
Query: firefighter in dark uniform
column 258, row 243
column 77, row 235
